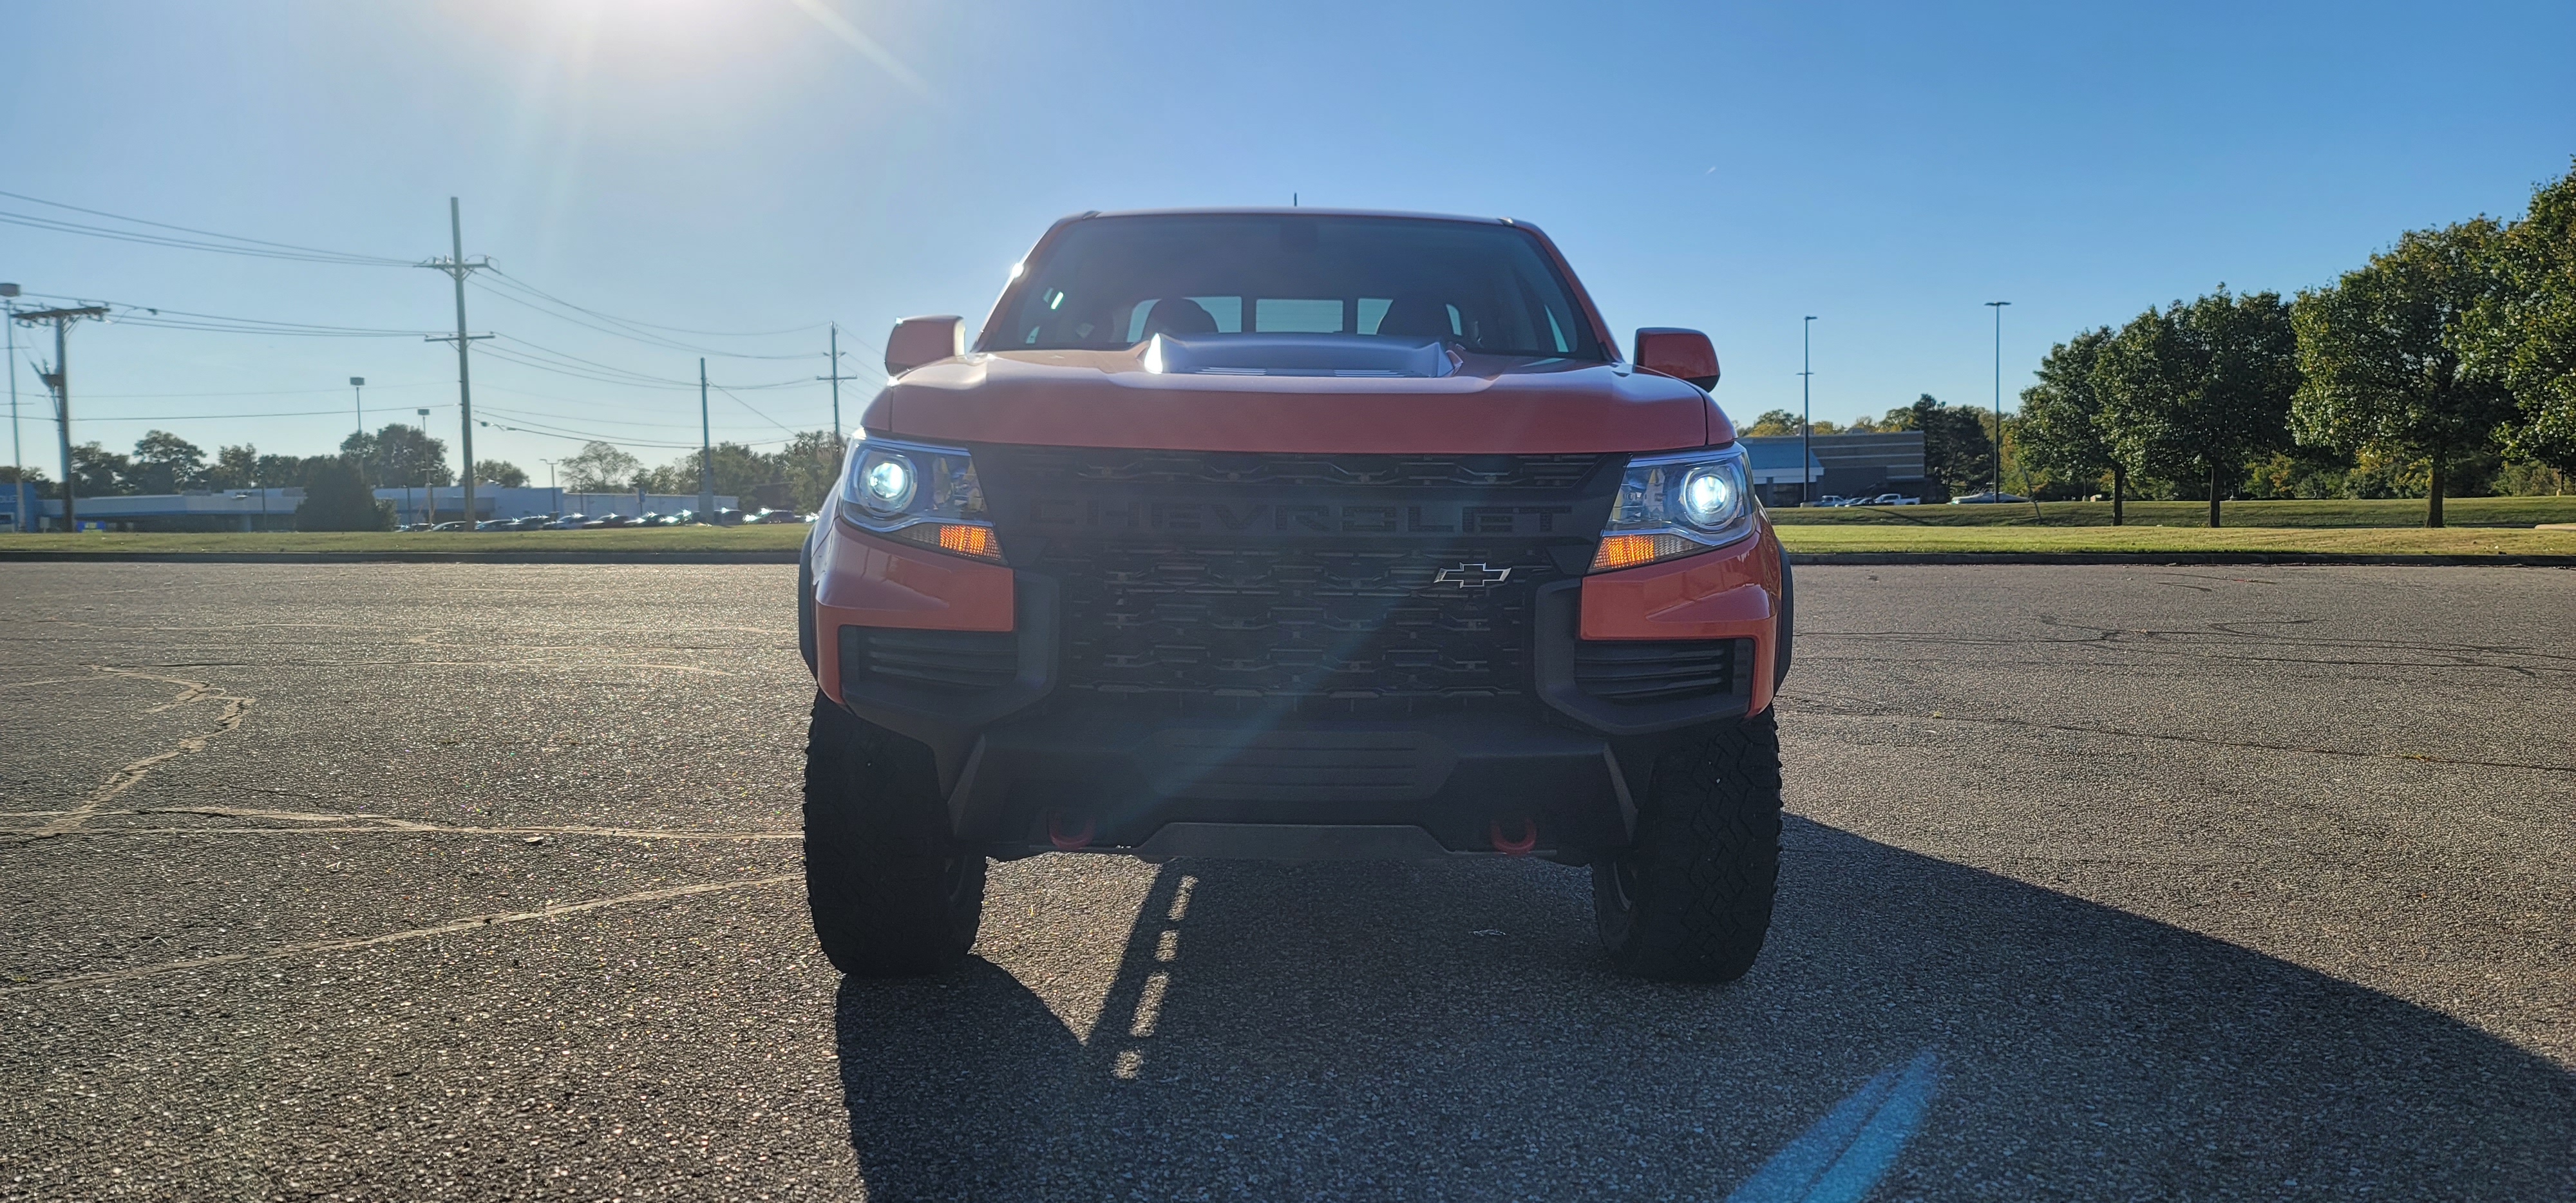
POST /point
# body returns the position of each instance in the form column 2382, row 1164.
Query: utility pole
column 358, row 401
column 17, row 450
column 706, row 452
column 1998, row 487
column 456, row 266
column 551, row 490
column 840, row 439
column 60, row 380
column 1806, row 411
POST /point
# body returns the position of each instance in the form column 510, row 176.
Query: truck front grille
column 1254, row 625
column 1080, row 466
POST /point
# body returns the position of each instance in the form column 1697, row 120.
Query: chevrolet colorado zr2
column 1294, row 534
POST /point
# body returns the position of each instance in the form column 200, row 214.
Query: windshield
column 1112, row 282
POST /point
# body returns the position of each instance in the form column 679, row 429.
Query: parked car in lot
column 727, row 517
column 773, row 518
column 1832, row 499
column 609, row 519
column 1294, row 535
column 1890, row 499
column 1989, row 497
column 567, row 522
column 459, row 525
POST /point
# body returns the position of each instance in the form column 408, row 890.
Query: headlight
column 919, row 493
column 1674, row 505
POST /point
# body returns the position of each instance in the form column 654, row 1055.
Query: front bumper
column 1029, row 769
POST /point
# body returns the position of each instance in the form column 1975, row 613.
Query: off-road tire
column 892, row 894
column 1690, row 900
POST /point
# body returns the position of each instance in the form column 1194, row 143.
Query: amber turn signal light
column 976, row 541
column 955, row 538
column 1628, row 551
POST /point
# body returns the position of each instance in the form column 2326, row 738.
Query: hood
column 1182, row 396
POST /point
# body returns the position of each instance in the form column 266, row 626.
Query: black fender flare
column 1787, row 632
column 805, row 608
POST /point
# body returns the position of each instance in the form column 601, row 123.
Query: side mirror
column 920, row 340
column 1673, row 352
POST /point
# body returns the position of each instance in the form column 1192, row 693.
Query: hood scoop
column 1346, row 355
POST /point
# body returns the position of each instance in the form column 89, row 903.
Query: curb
column 789, row 556
column 764, row 556
column 2292, row 558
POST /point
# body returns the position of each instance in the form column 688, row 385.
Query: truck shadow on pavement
column 1372, row 1031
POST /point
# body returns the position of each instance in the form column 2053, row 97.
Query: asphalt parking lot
column 479, row 881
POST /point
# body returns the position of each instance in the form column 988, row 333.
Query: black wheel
column 892, row 894
column 1691, row 898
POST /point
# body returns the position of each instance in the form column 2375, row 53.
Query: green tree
column 2380, row 351
column 166, row 463
column 2524, row 332
column 1778, row 422
column 2201, row 390
column 500, row 472
column 810, row 463
column 600, row 468
column 1957, row 453
column 2061, row 431
column 99, row 472
column 399, row 454
column 235, row 467
column 336, row 497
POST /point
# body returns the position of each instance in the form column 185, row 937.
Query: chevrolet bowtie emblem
column 1472, row 576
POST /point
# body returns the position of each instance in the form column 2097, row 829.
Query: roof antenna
column 1292, row 200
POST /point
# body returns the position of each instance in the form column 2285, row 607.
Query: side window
column 1372, row 311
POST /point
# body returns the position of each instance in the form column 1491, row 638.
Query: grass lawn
column 662, row 538
column 1839, row 536
column 2523, row 512
column 2313, row 540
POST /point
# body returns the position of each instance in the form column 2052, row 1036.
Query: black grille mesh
column 1092, row 465
column 1295, row 621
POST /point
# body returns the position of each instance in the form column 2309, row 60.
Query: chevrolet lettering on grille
column 1472, row 576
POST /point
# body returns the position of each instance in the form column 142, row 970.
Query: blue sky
column 755, row 165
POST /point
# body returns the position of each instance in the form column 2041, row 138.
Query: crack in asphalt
column 452, row 927
column 236, row 707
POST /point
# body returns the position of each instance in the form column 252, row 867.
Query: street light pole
column 1806, row 411
column 1998, row 488
column 428, row 499
column 556, row 493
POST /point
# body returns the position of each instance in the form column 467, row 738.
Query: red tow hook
column 1519, row 847
column 1069, row 843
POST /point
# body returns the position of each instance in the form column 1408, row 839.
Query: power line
column 352, row 256
column 257, row 392
column 517, row 282
column 754, row 412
